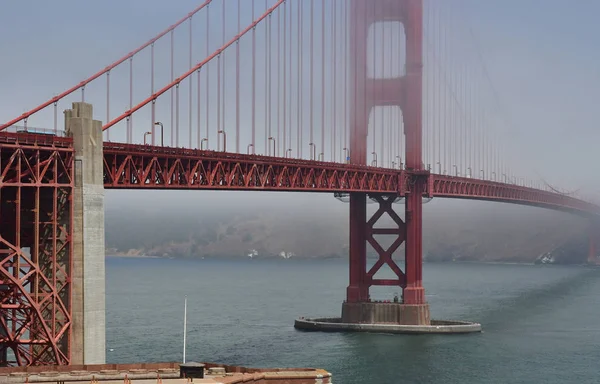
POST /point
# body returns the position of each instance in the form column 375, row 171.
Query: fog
column 540, row 57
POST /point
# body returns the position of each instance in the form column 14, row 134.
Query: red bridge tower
column 404, row 92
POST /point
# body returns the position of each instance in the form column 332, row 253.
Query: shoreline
column 310, row 259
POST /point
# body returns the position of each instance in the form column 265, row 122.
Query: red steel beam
column 143, row 166
column 129, row 166
column 473, row 189
column 36, row 183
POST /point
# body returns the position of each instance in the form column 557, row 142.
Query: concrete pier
column 386, row 317
column 385, row 313
column 88, row 286
column 335, row 324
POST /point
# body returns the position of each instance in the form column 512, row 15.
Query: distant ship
column 286, row 255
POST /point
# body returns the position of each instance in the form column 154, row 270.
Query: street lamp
column 250, row 145
column 455, row 169
column 224, row 139
column 288, row 151
column 145, row 135
column 162, row 143
column 470, row 172
column 494, row 175
column 482, row 173
column 374, row 162
column 400, row 164
column 313, row 151
column 273, row 139
column 439, row 167
column 346, row 155
column 202, row 143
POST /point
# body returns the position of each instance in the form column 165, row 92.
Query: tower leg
column 358, row 290
column 417, row 309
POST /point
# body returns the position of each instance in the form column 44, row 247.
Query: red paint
column 36, row 209
column 406, row 93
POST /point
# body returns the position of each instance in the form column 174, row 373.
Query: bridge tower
column 88, row 276
column 404, row 92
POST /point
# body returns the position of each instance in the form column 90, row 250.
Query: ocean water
column 541, row 323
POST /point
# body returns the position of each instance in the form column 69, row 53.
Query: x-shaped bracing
column 385, row 255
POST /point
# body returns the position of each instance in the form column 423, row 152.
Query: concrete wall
column 88, row 274
column 115, row 373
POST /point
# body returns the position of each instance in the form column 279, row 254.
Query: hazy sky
column 541, row 56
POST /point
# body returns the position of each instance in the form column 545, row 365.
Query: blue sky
column 541, row 55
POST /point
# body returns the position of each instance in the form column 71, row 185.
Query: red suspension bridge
column 369, row 98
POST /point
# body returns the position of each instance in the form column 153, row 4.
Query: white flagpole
column 184, row 325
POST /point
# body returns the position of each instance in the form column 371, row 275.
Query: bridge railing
column 20, row 135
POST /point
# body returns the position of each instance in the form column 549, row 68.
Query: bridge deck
column 128, row 166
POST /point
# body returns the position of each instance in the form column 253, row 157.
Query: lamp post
column 162, row 143
column 470, row 172
column 400, row 164
column 145, row 135
column 271, row 138
column 374, row 162
column 482, row 173
column 455, row 169
column 313, row 151
column 289, row 151
column 224, row 139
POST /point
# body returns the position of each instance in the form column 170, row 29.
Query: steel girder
column 143, row 166
column 36, row 182
column 474, row 189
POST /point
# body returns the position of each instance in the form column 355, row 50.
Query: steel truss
column 36, row 183
column 474, row 189
column 144, row 166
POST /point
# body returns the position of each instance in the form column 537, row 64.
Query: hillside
column 317, row 227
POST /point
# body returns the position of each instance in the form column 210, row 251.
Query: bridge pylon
column 88, row 273
column 405, row 92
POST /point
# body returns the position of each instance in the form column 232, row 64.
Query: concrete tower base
column 386, row 318
column 386, row 313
